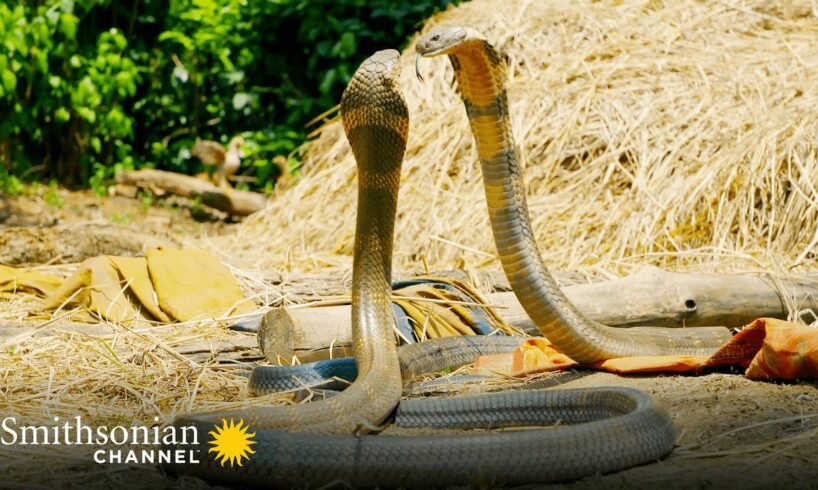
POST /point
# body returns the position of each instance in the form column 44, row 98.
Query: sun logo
column 231, row 442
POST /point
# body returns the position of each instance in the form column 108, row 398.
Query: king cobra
column 325, row 442
column 481, row 76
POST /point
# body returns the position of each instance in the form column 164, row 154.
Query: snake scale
column 325, row 442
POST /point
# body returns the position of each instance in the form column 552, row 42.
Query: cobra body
column 377, row 389
column 415, row 359
column 481, row 77
column 617, row 428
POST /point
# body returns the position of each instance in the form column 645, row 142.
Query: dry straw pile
column 675, row 133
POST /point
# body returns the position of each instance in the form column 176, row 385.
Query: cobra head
column 444, row 40
column 374, row 113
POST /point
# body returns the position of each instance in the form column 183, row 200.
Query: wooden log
column 232, row 201
column 648, row 297
column 669, row 299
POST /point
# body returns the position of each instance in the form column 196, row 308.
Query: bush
column 89, row 87
column 65, row 104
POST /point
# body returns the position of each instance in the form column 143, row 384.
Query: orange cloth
column 533, row 356
column 767, row 348
column 780, row 350
column 649, row 364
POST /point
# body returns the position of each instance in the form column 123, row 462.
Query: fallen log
column 648, row 297
column 232, row 201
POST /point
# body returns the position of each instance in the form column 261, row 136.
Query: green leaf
column 22, row 47
column 234, row 77
column 224, row 56
column 96, row 144
column 53, row 16
column 126, row 85
column 113, row 60
column 62, row 115
column 178, row 37
column 67, row 6
column 68, row 25
column 348, row 44
column 9, row 81
column 87, row 114
column 241, row 99
column 326, row 83
column 119, row 40
column 41, row 57
column 44, row 34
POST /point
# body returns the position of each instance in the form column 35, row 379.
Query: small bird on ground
column 227, row 162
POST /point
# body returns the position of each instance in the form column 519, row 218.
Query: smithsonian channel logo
column 230, row 442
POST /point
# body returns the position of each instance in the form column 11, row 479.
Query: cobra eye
column 435, row 37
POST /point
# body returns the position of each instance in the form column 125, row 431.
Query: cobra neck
column 374, row 234
column 481, row 76
column 372, row 266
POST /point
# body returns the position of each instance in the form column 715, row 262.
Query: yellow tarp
column 165, row 286
column 192, row 285
column 13, row 280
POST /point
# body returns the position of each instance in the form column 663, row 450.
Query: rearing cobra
column 324, row 442
column 481, row 76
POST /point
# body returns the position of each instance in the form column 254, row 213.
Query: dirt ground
column 732, row 433
column 56, row 226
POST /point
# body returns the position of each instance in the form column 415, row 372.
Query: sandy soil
column 733, row 433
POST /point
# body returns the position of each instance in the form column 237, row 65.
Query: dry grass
column 679, row 134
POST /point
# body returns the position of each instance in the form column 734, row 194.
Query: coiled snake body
column 617, row 428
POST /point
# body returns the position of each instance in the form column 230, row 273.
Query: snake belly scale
column 325, row 442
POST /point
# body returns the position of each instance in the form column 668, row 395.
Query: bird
column 227, row 162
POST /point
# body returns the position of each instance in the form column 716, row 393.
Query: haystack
column 677, row 134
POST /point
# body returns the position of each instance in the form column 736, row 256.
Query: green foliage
column 146, row 201
column 122, row 219
column 66, row 104
column 53, row 199
column 90, row 87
